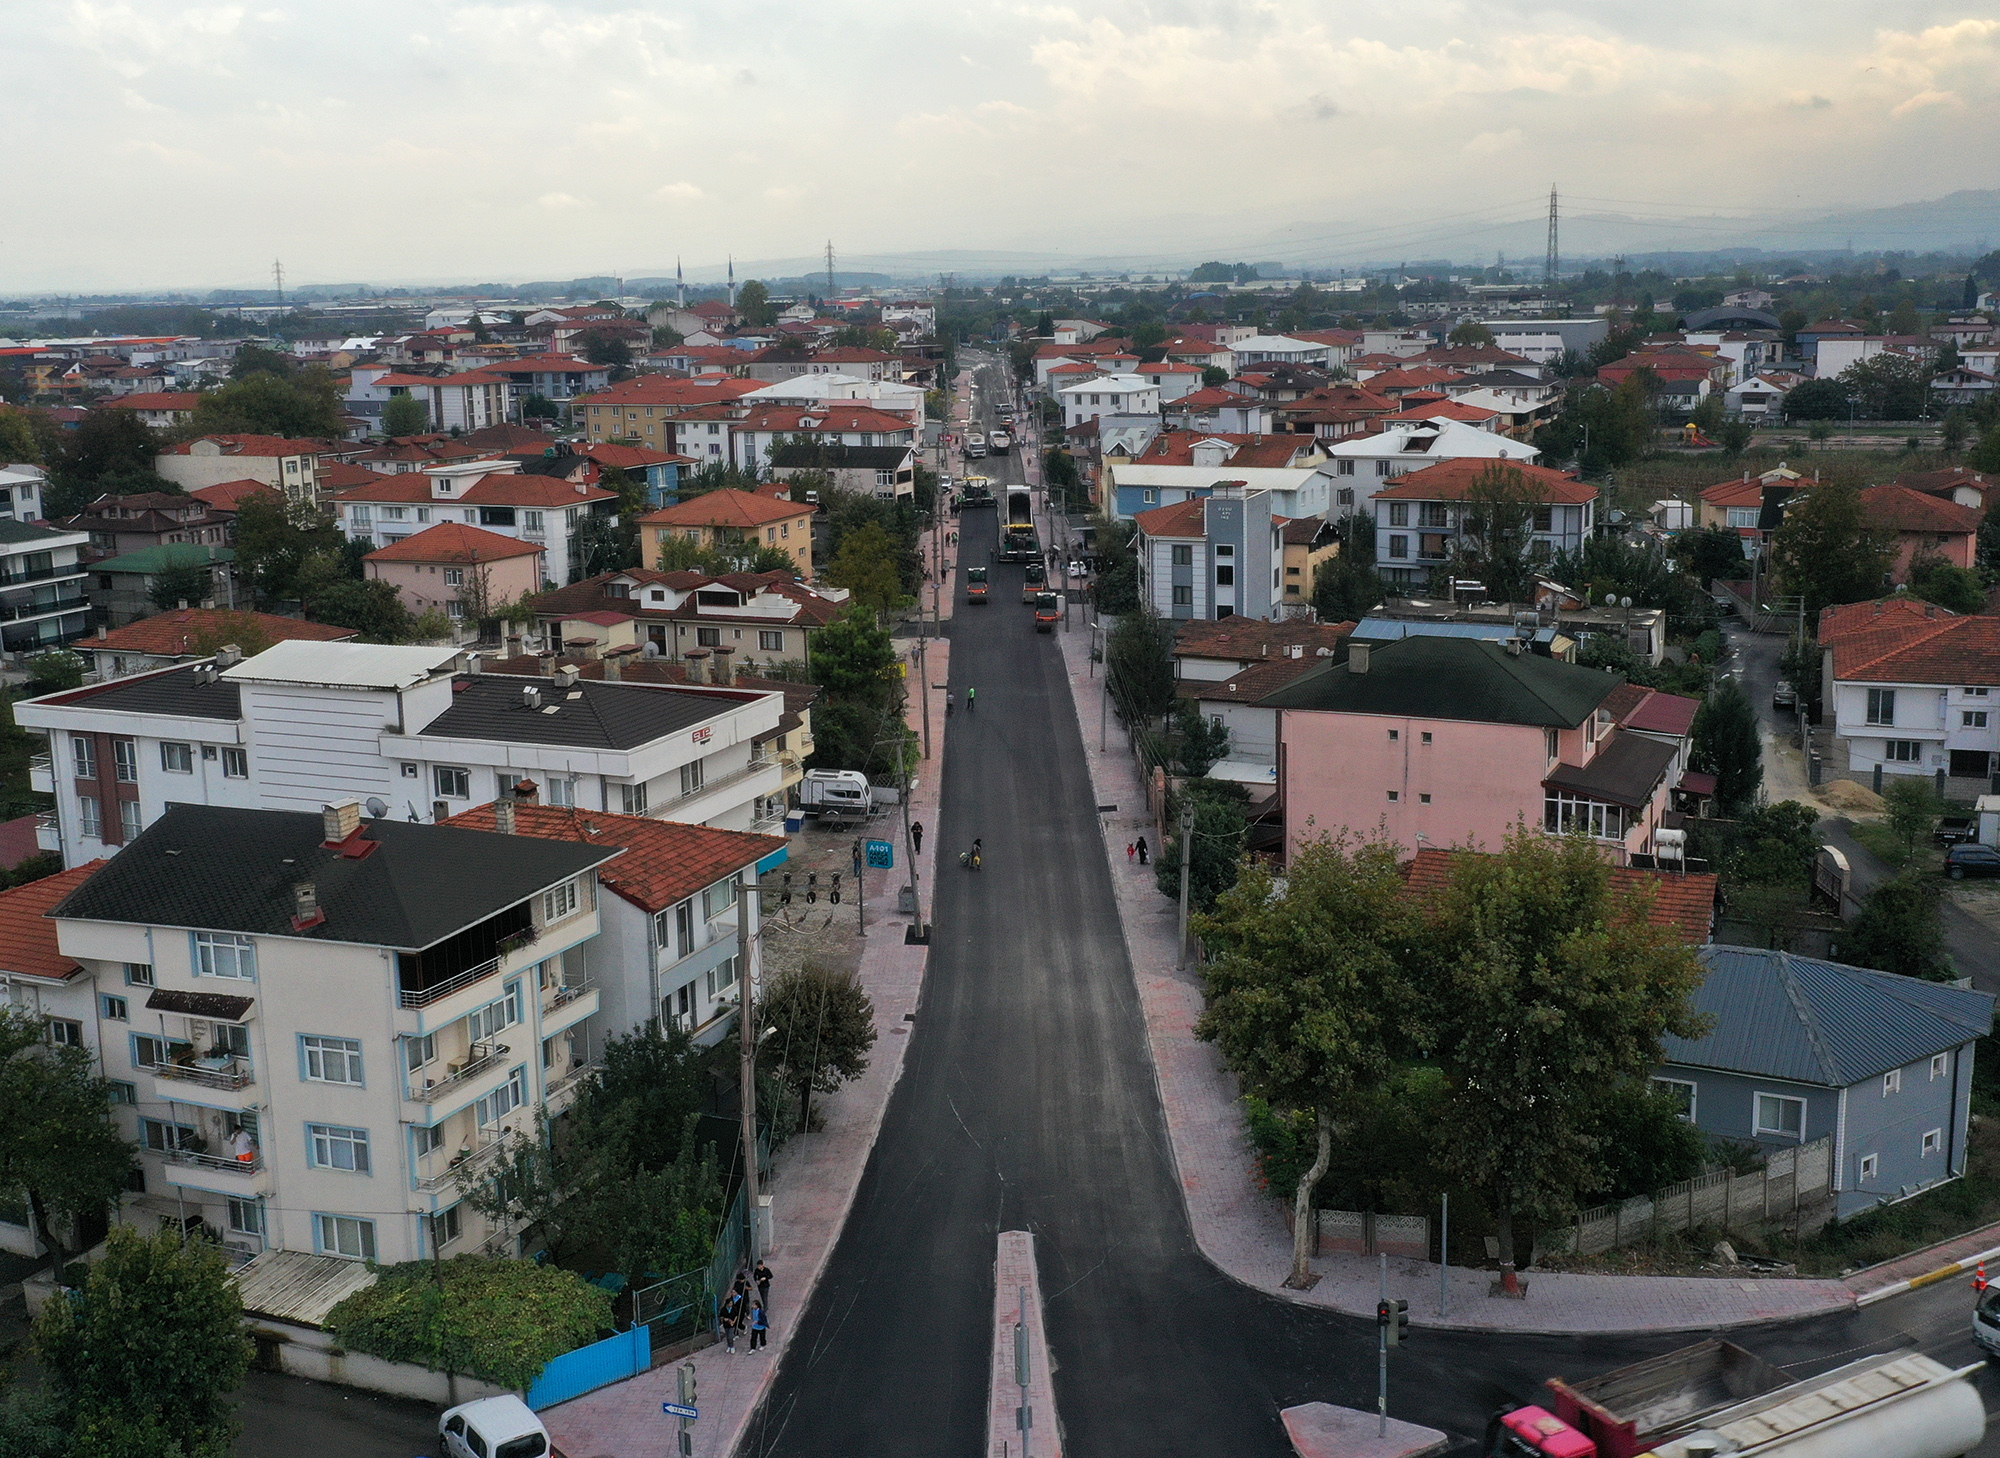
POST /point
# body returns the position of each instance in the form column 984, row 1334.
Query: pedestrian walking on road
column 1144, row 856
column 764, row 1271
column 760, row 1327
column 916, row 848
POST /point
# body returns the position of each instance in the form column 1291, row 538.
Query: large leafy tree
column 854, row 663
column 866, row 566
column 57, row 1144
column 1544, row 989
column 1306, row 993
column 753, row 302
column 405, row 415
column 1826, row 550
column 1139, row 665
column 184, row 580
column 1889, row 386
column 1727, row 745
column 142, row 1364
column 1221, row 816
column 109, row 451
column 825, row 1027
column 1497, row 526
column 1900, row 929
column 307, row 404
column 275, row 539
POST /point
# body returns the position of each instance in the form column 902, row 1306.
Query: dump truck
column 975, row 584
column 1715, row 1400
column 1048, row 612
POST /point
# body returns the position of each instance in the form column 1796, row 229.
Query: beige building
column 290, row 466
column 731, row 518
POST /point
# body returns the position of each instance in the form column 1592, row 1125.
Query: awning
column 1694, row 782
column 1624, row 771
column 202, row 1004
column 776, row 858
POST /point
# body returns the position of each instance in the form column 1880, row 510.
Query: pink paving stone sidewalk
column 1243, row 1231
column 1922, row 1262
column 814, row 1178
column 1013, row 1269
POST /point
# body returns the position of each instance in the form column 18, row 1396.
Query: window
column 1423, row 799
column 427, row 1140
column 1562, row 813
column 503, row 1012
column 331, row 1060
column 1881, row 706
column 560, row 791
column 1781, row 1116
column 235, row 764
column 1381, row 468
column 684, row 925
column 1346, row 468
column 157, row 1134
column 1183, row 556
column 1933, row 1142
column 90, row 820
column 125, row 754
column 559, row 902
column 1399, row 513
column 1149, row 497
column 718, row 900
column 149, row 1051
column 65, row 1033
column 343, row 1235
column 770, row 642
column 445, row 1227
column 1902, row 751
column 1972, row 719
column 1183, row 596
column 113, row 1007
column 708, row 637
column 497, row 1105
column 722, row 977
column 691, row 777
column 1545, row 518
column 1399, row 546
column 1225, row 576
column 419, row 1049
column 1940, row 1065
column 1975, row 693
column 222, row 954
column 330, row 1146
column 1682, row 1092
column 246, row 1217
column 84, row 750
column 634, row 797
column 128, row 818
column 177, row 759
column 1425, row 737
column 123, row 1093
column 1395, row 795
column 1892, row 1082
column 1870, row 1164
column 452, row 783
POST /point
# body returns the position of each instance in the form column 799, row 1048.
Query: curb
column 1929, row 1278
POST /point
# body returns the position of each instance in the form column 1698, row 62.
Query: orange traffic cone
column 1979, row 1281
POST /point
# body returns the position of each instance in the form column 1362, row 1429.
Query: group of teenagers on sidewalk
column 743, row 1311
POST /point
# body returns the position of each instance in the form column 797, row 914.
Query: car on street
column 1971, row 860
column 1784, row 698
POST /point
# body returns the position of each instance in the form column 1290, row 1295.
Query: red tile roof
column 1684, row 902
column 1244, row 638
column 228, row 495
column 20, row 838
column 727, row 507
column 27, row 936
column 495, row 488
column 664, row 861
column 453, row 541
column 1902, row 509
column 1446, row 410
column 1183, row 519
column 1452, row 480
column 156, row 400
column 254, row 445
column 1901, row 639
column 655, row 390
column 171, row 633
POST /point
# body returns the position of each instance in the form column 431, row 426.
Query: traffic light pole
column 1383, row 1316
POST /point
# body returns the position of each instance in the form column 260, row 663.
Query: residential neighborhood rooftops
column 1810, row 1021
column 454, row 541
column 27, row 936
column 1902, row 639
column 1685, row 902
column 251, row 445
column 215, row 868
column 1453, row 679
column 663, row 861
column 343, row 665
column 175, row 633
column 1454, row 480
column 229, row 495
column 1183, row 519
column 495, row 488
column 1905, row 509
column 1245, row 638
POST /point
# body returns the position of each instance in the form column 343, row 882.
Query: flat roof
column 344, row 665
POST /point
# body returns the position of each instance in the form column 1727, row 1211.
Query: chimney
column 503, row 816
column 228, row 656
column 547, row 662
column 614, row 668
column 531, row 697
column 697, row 662
column 102, row 632
column 527, row 792
column 1357, row 657
column 566, row 676
column 472, row 663
column 725, row 671
column 340, row 819
column 305, row 906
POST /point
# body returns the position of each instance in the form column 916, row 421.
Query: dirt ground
column 819, row 930
column 1980, row 899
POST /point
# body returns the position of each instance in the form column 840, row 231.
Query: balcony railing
column 721, row 782
column 490, row 1143
column 233, row 1074
column 482, row 1057
column 42, row 574
column 565, row 994
column 14, row 612
column 248, row 1166
column 42, row 764
column 571, row 1079
column 426, row 996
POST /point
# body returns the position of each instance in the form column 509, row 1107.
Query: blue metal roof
column 1798, row 1018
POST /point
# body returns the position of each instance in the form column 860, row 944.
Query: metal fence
column 1363, row 1232
column 1793, row 1183
column 588, row 1368
column 675, row 1308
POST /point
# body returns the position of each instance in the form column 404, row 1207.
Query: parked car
column 493, row 1427
column 1956, row 830
column 1971, row 859
column 1784, row 698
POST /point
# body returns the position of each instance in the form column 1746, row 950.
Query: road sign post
column 685, row 1409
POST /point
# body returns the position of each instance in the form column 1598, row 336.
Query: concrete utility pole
column 1187, row 848
column 746, row 1037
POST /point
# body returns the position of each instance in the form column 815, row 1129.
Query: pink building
column 1444, row 741
column 465, row 571
column 1924, row 525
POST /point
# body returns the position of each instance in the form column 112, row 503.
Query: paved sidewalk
column 813, row 1182
column 1920, row 1263
column 1015, row 1270
column 1243, row 1231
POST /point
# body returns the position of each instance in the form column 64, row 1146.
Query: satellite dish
column 651, row 650
column 377, row 806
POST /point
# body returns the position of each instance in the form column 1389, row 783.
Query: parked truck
column 1715, row 1400
column 834, row 795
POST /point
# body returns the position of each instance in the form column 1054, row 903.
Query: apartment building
column 1421, row 520
column 1361, row 465
column 1913, row 689
column 406, row 731
column 760, row 617
column 42, row 580
column 319, row 1028
column 21, row 488
column 642, row 409
column 1215, row 556
column 731, row 518
column 290, row 466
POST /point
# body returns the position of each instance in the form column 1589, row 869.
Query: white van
column 493, row 1427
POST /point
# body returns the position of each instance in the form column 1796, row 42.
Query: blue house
column 1805, row 1050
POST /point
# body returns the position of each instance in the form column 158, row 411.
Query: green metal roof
column 169, row 554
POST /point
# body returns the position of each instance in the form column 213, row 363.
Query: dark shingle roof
column 175, row 691
column 1624, row 771
column 590, row 714
column 1454, row 678
column 233, row 870
column 1799, row 1018
column 13, row 533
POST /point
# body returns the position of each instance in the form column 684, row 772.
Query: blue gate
column 588, row 1368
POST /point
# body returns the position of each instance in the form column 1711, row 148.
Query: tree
column 825, row 1026
column 1889, row 386
column 1726, row 745
column 186, row 579
column 1199, row 740
column 107, row 445
column 1496, row 533
column 1817, row 400
column 1306, row 996
column 1913, row 808
column 753, row 302
column 142, row 1364
column 1826, row 550
column 1734, row 436
column 1958, row 588
column 256, row 359
column 1215, row 857
column 55, row 670
column 1471, row 331
column 600, row 544
column 865, row 565
column 307, row 404
column 1139, row 664
column 405, row 415
column 1899, row 929
column 1710, row 553
column 1543, row 989
column 276, row 537
column 374, row 609
column 1213, row 377
column 606, row 347
column 854, row 663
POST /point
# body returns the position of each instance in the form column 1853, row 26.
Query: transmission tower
column 1549, row 267
column 278, row 278
column 1618, row 282
column 829, row 268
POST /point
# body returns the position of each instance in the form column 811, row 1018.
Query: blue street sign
column 674, row 1409
column 881, row 855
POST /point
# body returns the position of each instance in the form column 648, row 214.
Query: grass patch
column 1888, row 847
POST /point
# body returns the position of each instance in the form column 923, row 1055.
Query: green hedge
column 501, row 1320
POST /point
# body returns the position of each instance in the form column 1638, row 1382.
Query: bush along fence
column 1794, row 1189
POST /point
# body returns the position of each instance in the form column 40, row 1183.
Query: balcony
column 722, row 782
column 567, row 1007
column 571, row 1080
column 218, row 1073
column 42, row 574
column 218, row 1174
column 14, row 612
column 42, row 774
column 48, row 835
column 487, row 1145
column 566, row 993
column 424, row 997
column 482, row 1058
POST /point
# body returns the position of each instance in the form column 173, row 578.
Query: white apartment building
column 317, row 1029
column 406, row 731
column 21, row 488
column 1108, row 395
column 1263, row 349
column 1361, row 465
column 1912, row 689
column 290, row 466
column 42, row 581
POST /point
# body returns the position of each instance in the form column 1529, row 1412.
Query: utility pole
column 916, row 891
column 1382, row 1354
column 1549, row 267
column 747, row 1040
column 1187, row 849
column 1025, row 1417
column 860, row 889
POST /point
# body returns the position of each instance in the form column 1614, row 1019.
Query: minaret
column 680, row 286
column 732, row 280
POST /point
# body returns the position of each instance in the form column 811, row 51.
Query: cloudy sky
column 158, row 143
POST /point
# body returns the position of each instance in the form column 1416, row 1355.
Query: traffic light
column 1399, row 1321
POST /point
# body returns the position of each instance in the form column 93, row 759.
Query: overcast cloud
column 164, row 144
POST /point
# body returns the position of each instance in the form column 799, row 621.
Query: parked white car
column 493, row 1427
